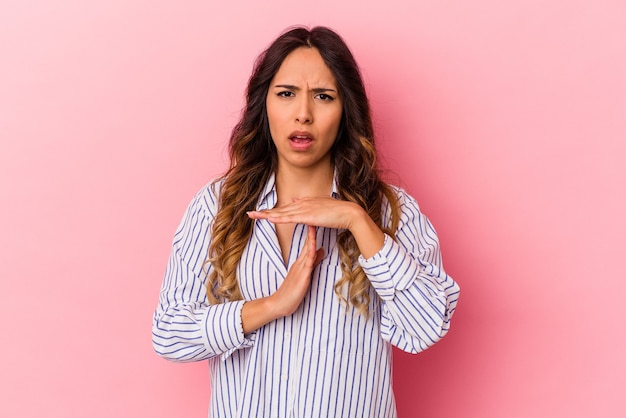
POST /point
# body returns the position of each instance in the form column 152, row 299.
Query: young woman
column 295, row 272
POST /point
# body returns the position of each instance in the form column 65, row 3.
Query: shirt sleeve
column 417, row 297
column 185, row 326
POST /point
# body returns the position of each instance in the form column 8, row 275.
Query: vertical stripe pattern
column 324, row 360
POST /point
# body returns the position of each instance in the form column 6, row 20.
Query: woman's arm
column 418, row 298
column 185, row 327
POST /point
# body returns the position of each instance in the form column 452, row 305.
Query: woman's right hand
column 290, row 294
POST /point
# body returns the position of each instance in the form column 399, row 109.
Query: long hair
column 253, row 158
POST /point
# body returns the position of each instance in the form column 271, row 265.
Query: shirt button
column 288, row 334
column 284, row 377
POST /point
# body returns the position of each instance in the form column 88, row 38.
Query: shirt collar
column 267, row 198
column 334, row 193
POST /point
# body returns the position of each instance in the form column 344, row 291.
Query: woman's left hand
column 315, row 211
column 329, row 213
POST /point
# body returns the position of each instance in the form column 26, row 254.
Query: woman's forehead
column 305, row 67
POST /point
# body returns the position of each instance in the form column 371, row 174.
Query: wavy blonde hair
column 253, row 159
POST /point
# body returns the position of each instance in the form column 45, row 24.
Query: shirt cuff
column 390, row 269
column 224, row 329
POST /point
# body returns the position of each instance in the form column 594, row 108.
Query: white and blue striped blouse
column 324, row 360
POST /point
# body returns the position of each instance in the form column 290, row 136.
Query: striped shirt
column 324, row 360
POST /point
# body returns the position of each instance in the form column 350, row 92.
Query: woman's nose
column 304, row 112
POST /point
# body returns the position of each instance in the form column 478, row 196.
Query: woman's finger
column 309, row 246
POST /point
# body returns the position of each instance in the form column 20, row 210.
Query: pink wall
column 507, row 120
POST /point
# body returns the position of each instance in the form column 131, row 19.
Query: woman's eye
column 285, row 94
column 325, row 97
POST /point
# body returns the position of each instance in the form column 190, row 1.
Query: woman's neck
column 293, row 183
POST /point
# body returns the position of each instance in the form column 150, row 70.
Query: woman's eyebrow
column 315, row 90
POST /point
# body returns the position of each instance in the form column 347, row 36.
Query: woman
column 295, row 272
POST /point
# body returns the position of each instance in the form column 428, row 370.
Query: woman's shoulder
column 402, row 196
column 396, row 200
column 207, row 198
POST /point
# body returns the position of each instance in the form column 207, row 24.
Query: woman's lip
column 300, row 140
column 300, row 143
column 303, row 135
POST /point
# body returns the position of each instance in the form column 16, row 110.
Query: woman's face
column 304, row 110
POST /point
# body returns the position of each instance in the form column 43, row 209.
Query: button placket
column 295, row 365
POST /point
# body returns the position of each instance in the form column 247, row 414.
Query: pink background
column 506, row 119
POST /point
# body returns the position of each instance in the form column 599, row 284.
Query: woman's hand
column 318, row 211
column 290, row 294
column 329, row 213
